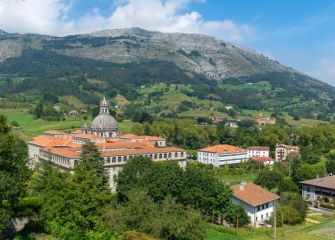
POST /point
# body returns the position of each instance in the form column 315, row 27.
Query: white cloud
column 51, row 17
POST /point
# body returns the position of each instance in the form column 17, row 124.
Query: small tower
column 104, row 107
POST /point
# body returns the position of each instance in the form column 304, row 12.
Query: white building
column 223, row 154
column 283, row 150
column 64, row 149
column 258, row 151
column 257, row 202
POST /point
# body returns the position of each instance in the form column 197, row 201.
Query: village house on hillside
column 63, row 149
column 319, row 191
column 263, row 120
column 223, row 154
column 283, row 151
column 257, row 202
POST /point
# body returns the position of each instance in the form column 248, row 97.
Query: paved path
column 321, row 210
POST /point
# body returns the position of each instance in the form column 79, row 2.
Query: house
column 258, row 151
column 263, row 160
column 218, row 119
column 262, row 120
column 73, row 112
column 283, row 151
column 64, row 149
column 256, row 201
column 222, row 154
column 319, row 191
column 231, row 124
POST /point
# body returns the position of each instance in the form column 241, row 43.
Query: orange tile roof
column 149, row 138
column 130, row 145
column 223, row 149
column 43, row 140
column 259, row 148
column 64, row 152
column 142, row 151
column 261, row 159
column 253, row 194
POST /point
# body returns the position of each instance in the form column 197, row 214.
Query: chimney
column 242, row 185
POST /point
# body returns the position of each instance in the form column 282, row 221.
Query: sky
column 297, row 33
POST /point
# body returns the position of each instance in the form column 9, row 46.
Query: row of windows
column 262, row 207
column 120, row 159
column 267, row 215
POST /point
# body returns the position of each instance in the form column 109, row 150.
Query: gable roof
column 223, row 149
column 253, row 194
column 325, row 182
column 259, row 148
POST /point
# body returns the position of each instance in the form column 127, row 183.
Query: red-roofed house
column 257, row 202
column 223, row 154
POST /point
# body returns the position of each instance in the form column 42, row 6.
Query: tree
column 74, row 204
column 288, row 186
column 13, row 171
column 236, row 216
column 330, row 166
column 305, row 171
column 166, row 220
column 269, row 179
column 39, row 110
column 137, row 129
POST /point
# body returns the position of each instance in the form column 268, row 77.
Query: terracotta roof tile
column 262, row 159
column 253, row 194
column 259, row 148
column 223, row 149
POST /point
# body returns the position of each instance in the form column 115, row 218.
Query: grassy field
column 323, row 230
column 28, row 126
column 235, row 179
column 73, row 100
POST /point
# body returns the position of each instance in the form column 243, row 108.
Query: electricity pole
column 274, row 218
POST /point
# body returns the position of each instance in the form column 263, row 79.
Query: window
column 256, row 219
column 176, row 154
column 267, row 215
column 108, row 160
column 119, row 159
column 258, row 208
column 114, row 159
column 169, row 155
column 262, row 216
column 165, row 155
column 160, row 156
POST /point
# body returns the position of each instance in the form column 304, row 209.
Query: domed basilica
column 103, row 125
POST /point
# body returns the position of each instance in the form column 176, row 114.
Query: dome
column 104, row 121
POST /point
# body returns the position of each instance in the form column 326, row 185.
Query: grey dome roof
column 104, row 121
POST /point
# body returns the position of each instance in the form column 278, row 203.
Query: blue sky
column 297, row 33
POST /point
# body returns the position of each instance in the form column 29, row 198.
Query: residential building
column 258, row 151
column 263, row 160
column 256, row 201
column 283, row 151
column 231, row 124
column 223, row 154
column 316, row 190
column 264, row 120
column 218, row 119
column 64, row 149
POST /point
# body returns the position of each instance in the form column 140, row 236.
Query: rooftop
column 223, row 149
column 149, row 138
column 262, row 159
column 325, row 182
column 253, row 194
column 259, row 148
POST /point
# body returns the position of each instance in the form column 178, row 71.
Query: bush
column 288, row 215
column 236, row 216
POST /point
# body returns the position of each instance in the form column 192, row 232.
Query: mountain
column 231, row 73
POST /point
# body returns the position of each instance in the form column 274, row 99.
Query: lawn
column 28, row 126
column 304, row 231
column 235, row 179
